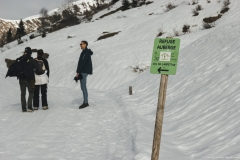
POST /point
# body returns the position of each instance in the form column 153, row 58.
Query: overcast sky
column 20, row 9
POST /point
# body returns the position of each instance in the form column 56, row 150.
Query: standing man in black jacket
column 26, row 78
column 83, row 70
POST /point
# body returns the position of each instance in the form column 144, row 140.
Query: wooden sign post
column 164, row 62
column 159, row 117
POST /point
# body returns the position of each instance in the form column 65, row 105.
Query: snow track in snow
column 202, row 107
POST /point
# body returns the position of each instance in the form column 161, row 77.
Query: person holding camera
column 83, row 70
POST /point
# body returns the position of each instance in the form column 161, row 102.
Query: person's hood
column 89, row 51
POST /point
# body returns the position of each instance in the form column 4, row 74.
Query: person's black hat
column 28, row 50
column 40, row 52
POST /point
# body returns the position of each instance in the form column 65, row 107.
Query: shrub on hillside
column 195, row 12
column 107, row 35
column 105, row 32
column 194, row 2
column 224, row 9
column 54, row 18
column 208, row 25
column 141, row 2
column 32, row 36
column 88, row 15
column 112, row 12
column 114, row 1
column 134, row 3
column 70, row 37
column 199, row 8
column 139, row 68
column 43, row 35
column 20, row 41
column 125, row 4
column 69, row 17
column 149, row 2
column 226, row 2
column 59, row 25
column 208, row 1
column 160, row 31
column 212, row 19
column 169, row 7
column 186, row 28
column 176, row 33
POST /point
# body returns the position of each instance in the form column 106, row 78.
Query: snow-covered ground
column 203, row 102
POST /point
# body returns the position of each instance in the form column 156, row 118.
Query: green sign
column 165, row 56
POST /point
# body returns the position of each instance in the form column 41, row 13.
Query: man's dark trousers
column 25, row 83
column 43, row 89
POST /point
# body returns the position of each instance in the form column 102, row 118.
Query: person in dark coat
column 83, row 70
column 26, row 78
column 41, row 81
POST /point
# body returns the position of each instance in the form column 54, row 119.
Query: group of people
column 33, row 75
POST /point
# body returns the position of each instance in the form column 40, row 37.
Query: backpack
column 20, row 63
column 41, row 67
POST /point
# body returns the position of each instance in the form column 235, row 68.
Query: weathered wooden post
column 130, row 90
column 164, row 62
column 159, row 117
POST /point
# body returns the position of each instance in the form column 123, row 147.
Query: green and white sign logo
column 165, row 56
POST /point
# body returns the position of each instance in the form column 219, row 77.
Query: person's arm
column 34, row 64
column 47, row 67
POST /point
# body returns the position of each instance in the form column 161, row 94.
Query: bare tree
column 43, row 18
column 97, row 3
column 68, row 4
column 76, row 9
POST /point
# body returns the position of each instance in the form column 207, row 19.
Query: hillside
column 203, row 102
column 32, row 23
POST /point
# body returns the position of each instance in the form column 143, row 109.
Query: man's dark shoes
column 84, row 105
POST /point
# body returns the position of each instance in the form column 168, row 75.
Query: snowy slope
column 202, row 108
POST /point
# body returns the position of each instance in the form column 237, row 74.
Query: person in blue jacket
column 83, row 70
